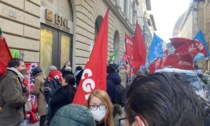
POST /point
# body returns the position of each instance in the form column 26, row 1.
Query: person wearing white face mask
column 101, row 108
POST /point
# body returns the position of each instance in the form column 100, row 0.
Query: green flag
column 113, row 56
column 15, row 53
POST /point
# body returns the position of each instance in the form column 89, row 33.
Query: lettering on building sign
column 88, row 84
column 184, row 63
column 59, row 20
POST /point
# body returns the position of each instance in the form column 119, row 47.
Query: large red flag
column 139, row 50
column 129, row 48
column 5, row 55
column 94, row 75
column 184, row 46
column 180, row 61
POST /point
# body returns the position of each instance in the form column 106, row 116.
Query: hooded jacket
column 73, row 115
column 113, row 79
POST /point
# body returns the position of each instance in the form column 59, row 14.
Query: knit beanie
column 36, row 70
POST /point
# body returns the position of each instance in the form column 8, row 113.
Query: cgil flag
column 113, row 56
column 156, row 50
column 199, row 37
column 94, row 75
column 5, row 55
column 187, row 46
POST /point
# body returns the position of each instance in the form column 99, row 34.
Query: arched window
column 116, row 45
column 98, row 22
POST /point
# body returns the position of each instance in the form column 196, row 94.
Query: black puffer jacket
column 63, row 96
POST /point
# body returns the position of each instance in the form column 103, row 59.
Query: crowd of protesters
column 159, row 99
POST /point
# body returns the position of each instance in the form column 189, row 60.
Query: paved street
column 29, row 124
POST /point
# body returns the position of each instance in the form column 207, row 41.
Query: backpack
column 120, row 94
column 49, row 88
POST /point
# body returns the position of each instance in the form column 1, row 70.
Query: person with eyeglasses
column 162, row 99
column 101, row 107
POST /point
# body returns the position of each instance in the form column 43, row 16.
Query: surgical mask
column 98, row 114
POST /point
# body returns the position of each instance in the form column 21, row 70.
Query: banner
column 128, row 48
column 29, row 81
column 139, row 50
column 15, row 53
column 199, row 37
column 5, row 55
column 180, row 61
column 185, row 46
column 94, row 75
column 113, row 56
column 157, row 64
column 156, row 50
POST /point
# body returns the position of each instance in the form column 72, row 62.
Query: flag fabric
column 156, row 50
column 129, row 48
column 5, row 55
column 15, row 53
column 113, row 56
column 181, row 61
column 124, row 58
column 186, row 46
column 157, row 64
column 94, row 75
column 139, row 50
column 199, row 37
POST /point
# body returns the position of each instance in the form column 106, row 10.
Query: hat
column 115, row 66
column 36, row 70
column 73, row 115
column 55, row 74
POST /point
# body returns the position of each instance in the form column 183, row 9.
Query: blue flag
column 199, row 37
column 156, row 50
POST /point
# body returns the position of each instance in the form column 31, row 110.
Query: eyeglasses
column 95, row 107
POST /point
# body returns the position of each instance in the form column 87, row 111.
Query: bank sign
column 55, row 20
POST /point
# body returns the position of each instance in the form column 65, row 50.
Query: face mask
column 98, row 114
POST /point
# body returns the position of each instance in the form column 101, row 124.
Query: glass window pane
column 65, row 49
column 46, row 49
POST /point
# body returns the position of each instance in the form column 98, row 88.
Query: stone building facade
column 54, row 31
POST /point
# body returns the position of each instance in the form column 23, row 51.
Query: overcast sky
column 166, row 13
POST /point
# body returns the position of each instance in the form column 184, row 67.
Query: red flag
column 94, row 75
column 180, row 61
column 157, row 64
column 5, row 55
column 129, row 48
column 184, row 46
column 139, row 50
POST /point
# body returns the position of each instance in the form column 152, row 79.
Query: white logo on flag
column 158, row 49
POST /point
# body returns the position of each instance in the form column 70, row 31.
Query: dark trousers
column 42, row 120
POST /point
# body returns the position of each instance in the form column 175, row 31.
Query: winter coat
column 73, row 115
column 12, row 98
column 39, row 85
column 113, row 79
column 63, row 96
